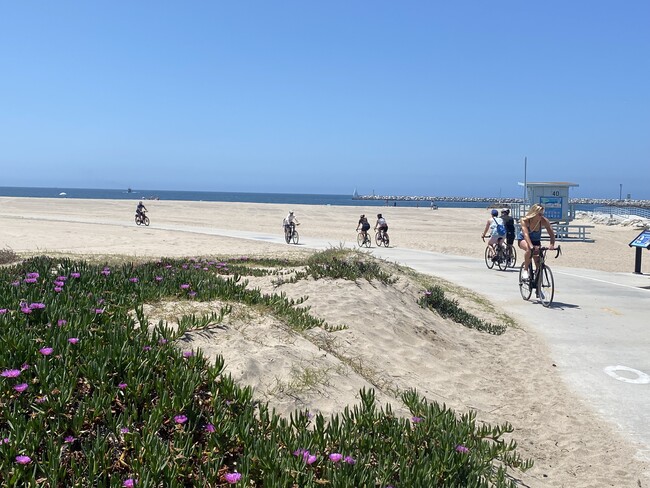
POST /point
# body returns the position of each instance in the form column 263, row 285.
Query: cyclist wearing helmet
column 497, row 230
column 381, row 224
column 140, row 209
column 365, row 226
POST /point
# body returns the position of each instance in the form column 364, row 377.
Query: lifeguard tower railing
column 519, row 210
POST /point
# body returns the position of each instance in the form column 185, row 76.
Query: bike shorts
column 535, row 243
column 365, row 227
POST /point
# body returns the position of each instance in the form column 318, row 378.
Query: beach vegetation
column 8, row 256
column 434, row 298
column 93, row 394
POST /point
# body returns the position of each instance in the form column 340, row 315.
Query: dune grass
column 90, row 395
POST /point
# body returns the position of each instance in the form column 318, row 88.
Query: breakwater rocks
column 502, row 200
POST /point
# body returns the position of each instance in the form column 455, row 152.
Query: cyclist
column 530, row 235
column 365, row 226
column 381, row 224
column 509, row 224
column 140, row 209
column 497, row 231
column 289, row 222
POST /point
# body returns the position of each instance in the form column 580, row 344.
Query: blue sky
column 420, row 98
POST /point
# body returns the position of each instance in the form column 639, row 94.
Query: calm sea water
column 215, row 196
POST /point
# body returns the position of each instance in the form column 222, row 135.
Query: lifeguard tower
column 554, row 195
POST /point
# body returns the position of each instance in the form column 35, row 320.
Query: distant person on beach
column 509, row 224
column 381, row 224
column 364, row 225
column 496, row 229
column 530, row 235
column 290, row 221
column 140, row 208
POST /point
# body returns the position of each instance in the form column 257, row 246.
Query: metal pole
column 620, row 192
column 525, row 183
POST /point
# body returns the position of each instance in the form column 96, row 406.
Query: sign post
column 640, row 242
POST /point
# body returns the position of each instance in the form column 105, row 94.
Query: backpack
column 501, row 229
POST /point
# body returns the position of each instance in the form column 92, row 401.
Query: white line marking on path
column 601, row 281
column 641, row 377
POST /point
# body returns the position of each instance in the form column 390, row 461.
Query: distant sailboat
column 355, row 194
column 129, row 190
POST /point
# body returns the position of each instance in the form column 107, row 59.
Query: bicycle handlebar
column 558, row 249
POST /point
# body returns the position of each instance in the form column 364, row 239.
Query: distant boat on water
column 129, row 190
column 63, row 194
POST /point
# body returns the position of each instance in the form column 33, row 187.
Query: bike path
column 597, row 327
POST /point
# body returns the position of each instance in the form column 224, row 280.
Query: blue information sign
column 642, row 240
column 552, row 207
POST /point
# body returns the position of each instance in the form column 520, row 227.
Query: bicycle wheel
column 386, row 240
column 512, row 256
column 295, row 237
column 546, row 286
column 489, row 254
column 502, row 259
column 368, row 241
column 378, row 239
column 360, row 239
column 145, row 220
column 137, row 220
column 524, row 284
column 287, row 236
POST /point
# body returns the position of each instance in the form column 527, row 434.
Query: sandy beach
column 390, row 343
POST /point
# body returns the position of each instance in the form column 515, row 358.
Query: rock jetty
column 501, row 200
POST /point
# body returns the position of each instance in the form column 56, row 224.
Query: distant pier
column 501, row 200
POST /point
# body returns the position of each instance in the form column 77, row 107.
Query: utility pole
column 620, row 192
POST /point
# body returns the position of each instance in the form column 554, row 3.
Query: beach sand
column 390, row 343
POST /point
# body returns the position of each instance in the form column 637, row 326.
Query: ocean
column 216, row 196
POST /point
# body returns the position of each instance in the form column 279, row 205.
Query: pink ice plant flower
column 10, row 373
column 188, row 354
column 69, row 439
column 3, row 311
column 185, row 286
column 124, row 430
column 73, row 340
column 158, row 278
column 180, row 419
column 59, row 283
column 462, row 449
column 122, row 386
column 99, row 311
column 46, row 351
column 37, row 306
column 210, row 428
column 32, row 275
column 30, row 280
column 335, row 457
column 58, row 289
column 26, row 310
column 75, row 275
column 23, row 459
column 233, row 478
column 350, row 460
column 21, row 387
column 61, row 322
column 129, row 483
column 134, row 280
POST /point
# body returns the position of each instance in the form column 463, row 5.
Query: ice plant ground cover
column 91, row 396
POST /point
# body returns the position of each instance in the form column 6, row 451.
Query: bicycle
column 381, row 237
column 511, row 255
column 141, row 218
column 497, row 256
column 291, row 234
column 540, row 279
column 363, row 239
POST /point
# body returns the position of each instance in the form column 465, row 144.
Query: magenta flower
column 162, row 341
column 61, row 278
column 122, row 386
column 69, row 439
column 416, row 420
column 24, row 367
column 3, row 310
column 350, row 460
column 185, row 286
column 61, row 322
column 158, row 278
column 37, row 306
column 23, row 459
column 73, row 340
column 10, row 373
column 59, row 283
column 46, row 351
column 188, row 354
column 180, row 419
column 26, row 310
column 335, row 457
column 30, row 280
column 210, row 428
column 32, row 275
column 129, row 483
column 134, row 280
column 41, row 399
column 310, row 459
column 15, row 283
column 99, row 311
column 192, row 294
column 21, row 387
column 106, row 272
column 146, row 348
column 233, row 478
column 75, row 275
column 58, row 289
column 462, row 449
column 124, row 430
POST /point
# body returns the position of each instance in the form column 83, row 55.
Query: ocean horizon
column 248, row 197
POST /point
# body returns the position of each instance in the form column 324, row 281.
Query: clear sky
column 396, row 97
